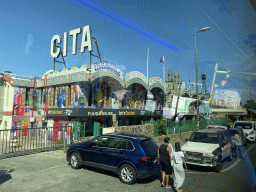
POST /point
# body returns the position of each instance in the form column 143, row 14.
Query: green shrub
column 162, row 126
column 19, row 145
column 59, row 142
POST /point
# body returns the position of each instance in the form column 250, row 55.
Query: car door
column 228, row 143
column 222, row 145
column 254, row 129
column 94, row 152
column 116, row 151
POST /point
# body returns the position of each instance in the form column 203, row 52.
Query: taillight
column 146, row 158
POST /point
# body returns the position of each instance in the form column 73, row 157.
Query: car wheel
column 219, row 165
column 75, row 161
column 230, row 157
column 127, row 174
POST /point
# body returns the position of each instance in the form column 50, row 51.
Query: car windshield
column 204, row 138
column 149, row 146
column 243, row 125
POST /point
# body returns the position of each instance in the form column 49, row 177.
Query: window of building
column 7, row 100
column 54, row 94
column 42, row 93
column 5, row 124
column 69, row 95
column 27, row 96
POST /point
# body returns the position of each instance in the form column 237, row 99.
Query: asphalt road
column 49, row 171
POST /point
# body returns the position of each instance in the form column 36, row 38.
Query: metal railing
column 191, row 125
column 20, row 141
column 97, row 129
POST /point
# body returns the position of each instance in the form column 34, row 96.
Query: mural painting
column 79, row 95
column 61, row 97
column 99, row 95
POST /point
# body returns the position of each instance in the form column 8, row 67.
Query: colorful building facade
column 78, row 96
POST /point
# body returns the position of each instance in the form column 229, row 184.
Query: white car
column 216, row 127
column 249, row 129
column 208, row 147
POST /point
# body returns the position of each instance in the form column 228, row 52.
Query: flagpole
column 147, row 64
column 164, row 84
column 163, row 71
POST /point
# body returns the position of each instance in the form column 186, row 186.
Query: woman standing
column 164, row 154
column 238, row 143
column 179, row 172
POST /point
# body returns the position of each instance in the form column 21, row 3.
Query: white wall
column 6, row 123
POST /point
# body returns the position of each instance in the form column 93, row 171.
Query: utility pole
column 251, row 98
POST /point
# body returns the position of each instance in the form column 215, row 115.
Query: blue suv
column 131, row 156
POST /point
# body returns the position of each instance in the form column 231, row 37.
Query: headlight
column 208, row 154
column 252, row 132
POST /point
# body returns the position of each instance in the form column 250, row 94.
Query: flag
column 162, row 59
column 223, row 83
column 183, row 84
column 193, row 83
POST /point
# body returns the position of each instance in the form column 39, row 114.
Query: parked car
column 249, row 129
column 131, row 156
column 233, row 131
column 208, row 147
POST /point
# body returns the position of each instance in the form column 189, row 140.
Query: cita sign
column 85, row 43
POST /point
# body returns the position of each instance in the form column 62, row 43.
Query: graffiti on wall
column 61, row 97
column 79, row 95
column 17, row 102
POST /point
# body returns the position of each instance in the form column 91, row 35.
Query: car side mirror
column 186, row 139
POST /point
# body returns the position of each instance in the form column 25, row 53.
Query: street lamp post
column 214, row 77
column 251, row 98
column 197, row 96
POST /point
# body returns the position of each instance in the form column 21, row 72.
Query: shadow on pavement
column 5, row 175
column 158, row 176
column 27, row 152
column 101, row 171
column 201, row 168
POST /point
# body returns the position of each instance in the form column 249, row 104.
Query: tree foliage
column 162, row 126
column 250, row 106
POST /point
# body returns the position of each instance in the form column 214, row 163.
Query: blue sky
column 126, row 29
